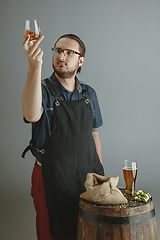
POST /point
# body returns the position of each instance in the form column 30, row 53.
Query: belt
column 39, row 163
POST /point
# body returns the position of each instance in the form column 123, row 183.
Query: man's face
column 66, row 66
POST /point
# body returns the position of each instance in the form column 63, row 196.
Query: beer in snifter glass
column 129, row 174
column 31, row 28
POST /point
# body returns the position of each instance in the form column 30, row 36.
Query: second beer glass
column 129, row 174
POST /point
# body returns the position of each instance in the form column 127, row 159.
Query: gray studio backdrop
column 122, row 63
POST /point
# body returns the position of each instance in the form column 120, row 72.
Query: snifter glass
column 129, row 174
column 31, row 27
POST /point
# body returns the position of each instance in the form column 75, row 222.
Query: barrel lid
column 131, row 203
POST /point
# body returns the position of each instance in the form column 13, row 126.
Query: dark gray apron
column 69, row 154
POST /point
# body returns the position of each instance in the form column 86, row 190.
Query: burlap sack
column 103, row 190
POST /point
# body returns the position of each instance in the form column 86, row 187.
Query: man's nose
column 62, row 55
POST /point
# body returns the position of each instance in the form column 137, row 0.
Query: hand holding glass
column 130, row 174
column 31, row 27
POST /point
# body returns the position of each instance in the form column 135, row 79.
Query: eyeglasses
column 67, row 52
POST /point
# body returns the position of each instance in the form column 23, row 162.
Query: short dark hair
column 82, row 48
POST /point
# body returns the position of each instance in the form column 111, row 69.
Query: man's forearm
column 98, row 145
column 32, row 96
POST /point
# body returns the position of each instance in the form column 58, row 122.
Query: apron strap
column 52, row 90
column 25, row 151
column 84, row 94
column 30, row 147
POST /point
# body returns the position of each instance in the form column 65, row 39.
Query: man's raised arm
column 32, row 95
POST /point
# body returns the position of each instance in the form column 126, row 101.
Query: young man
column 65, row 117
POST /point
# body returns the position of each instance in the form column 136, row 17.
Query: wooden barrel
column 107, row 222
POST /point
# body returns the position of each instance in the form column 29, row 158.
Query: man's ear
column 81, row 60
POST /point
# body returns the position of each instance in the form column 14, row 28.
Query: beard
column 65, row 73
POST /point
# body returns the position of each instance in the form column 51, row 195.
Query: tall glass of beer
column 129, row 174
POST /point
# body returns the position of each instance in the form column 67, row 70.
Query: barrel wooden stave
column 92, row 230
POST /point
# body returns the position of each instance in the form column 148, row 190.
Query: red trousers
column 42, row 217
